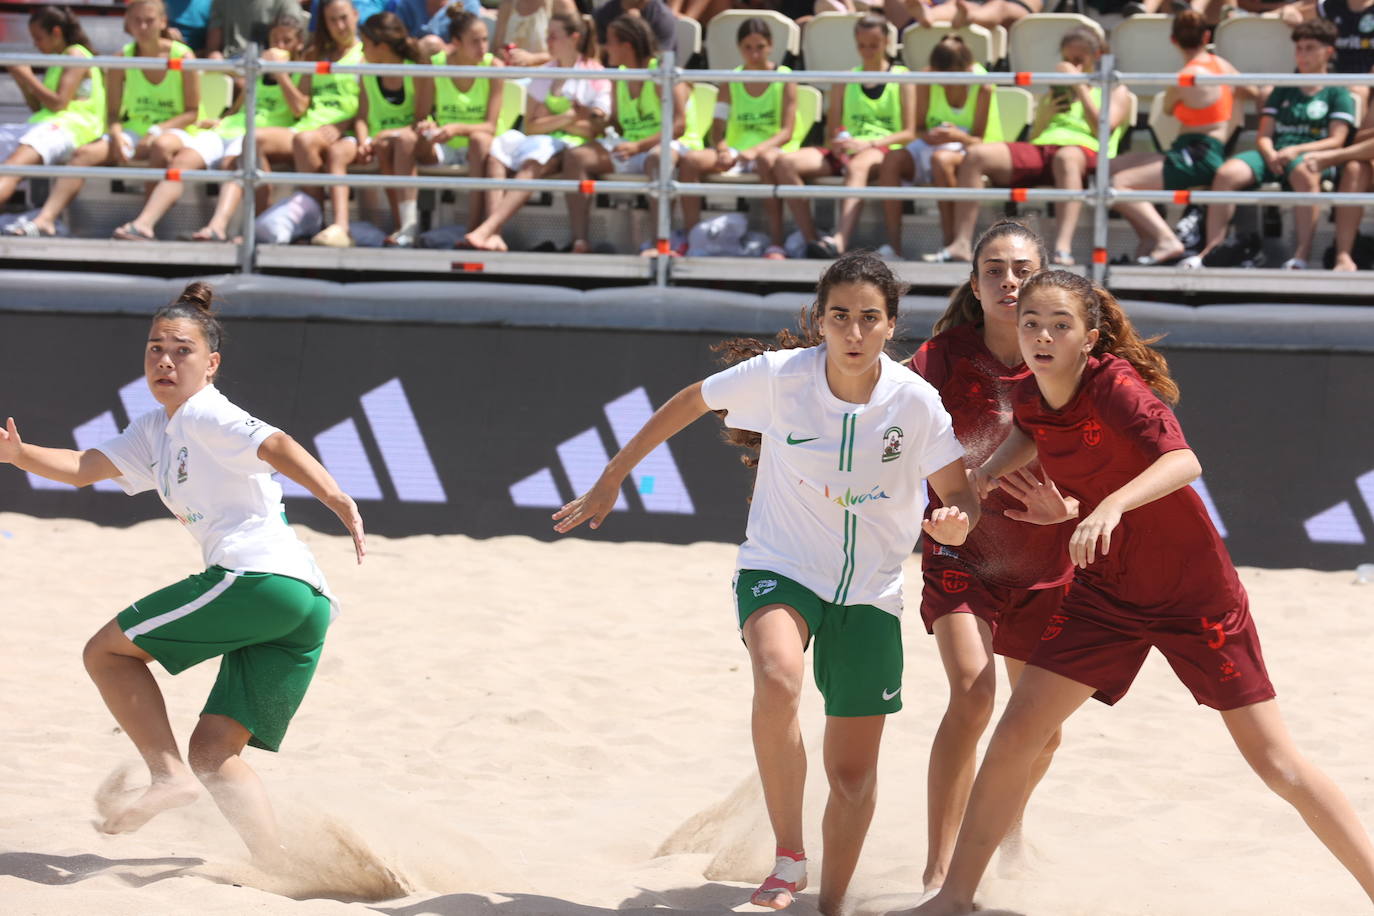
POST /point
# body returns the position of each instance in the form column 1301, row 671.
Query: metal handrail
column 664, row 188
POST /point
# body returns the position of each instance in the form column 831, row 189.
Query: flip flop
column 206, row 234
column 131, row 233
column 942, row 257
column 1146, row 260
column 27, row 228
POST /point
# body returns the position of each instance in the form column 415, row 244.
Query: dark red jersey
column 1166, row 556
column 976, row 387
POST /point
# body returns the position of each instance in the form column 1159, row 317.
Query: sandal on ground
column 206, row 234
column 131, row 233
column 27, row 228
column 1192, row 262
column 1146, row 260
column 405, row 237
column 1063, row 259
column 942, row 257
column 333, row 236
column 781, row 887
column 1294, row 264
column 775, row 253
column 824, row 248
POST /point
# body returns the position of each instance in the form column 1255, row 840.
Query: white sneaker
column 1295, row 264
column 1192, row 262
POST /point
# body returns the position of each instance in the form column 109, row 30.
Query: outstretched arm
column 1045, row 505
column 594, row 505
column 1170, row 471
column 288, row 457
column 78, row 468
column 950, row 524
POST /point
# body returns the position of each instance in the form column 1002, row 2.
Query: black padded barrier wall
column 478, row 415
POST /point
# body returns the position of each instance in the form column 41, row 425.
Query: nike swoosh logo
column 887, row 696
column 792, row 440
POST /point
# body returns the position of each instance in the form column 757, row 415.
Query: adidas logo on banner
column 657, row 480
column 1338, row 525
column 395, row 433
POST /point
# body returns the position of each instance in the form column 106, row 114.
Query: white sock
column 409, row 212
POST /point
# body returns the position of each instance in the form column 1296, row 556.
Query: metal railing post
column 248, row 162
column 663, row 193
column 1106, row 70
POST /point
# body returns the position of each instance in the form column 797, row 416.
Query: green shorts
column 858, row 656
column 1192, row 162
column 268, row 628
column 1252, row 158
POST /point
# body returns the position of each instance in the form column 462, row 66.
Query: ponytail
column 196, row 303
column 47, row 18
column 964, row 307
column 581, row 25
column 739, row 349
column 1116, row 335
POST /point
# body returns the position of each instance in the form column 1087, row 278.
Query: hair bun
column 199, row 295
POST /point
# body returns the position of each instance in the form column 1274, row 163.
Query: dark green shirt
column 1302, row 118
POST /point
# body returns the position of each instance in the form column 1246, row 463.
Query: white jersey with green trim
column 203, row 461
column 841, row 487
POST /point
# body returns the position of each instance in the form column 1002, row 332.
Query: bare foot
column 124, row 810
column 581, row 246
column 962, row 14
column 1344, row 262
column 941, row 906
column 483, row 242
column 920, row 12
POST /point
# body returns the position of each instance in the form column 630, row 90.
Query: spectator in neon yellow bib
column 949, row 120
column 274, row 109
column 559, row 115
column 864, row 122
column 68, row 103
column 383, row 131
column 1062, row 149
column 461, row 130
column 150, row 114
column 753, row 123
column 637, row 113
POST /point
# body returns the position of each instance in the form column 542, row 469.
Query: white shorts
column 208, row 143
column 513, row 149
column 635, row 164
column 921, row 155
column 53, row 142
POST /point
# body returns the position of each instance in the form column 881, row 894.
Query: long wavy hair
column 964, row 307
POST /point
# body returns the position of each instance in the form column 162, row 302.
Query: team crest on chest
column 892, row 443
column 181, row 464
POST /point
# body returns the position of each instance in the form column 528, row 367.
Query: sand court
column 514, row 727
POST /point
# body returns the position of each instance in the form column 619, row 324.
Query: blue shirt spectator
column 191, row 18
column 420, row 22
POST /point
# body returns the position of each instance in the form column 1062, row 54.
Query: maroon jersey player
column 1094, row 412
column 995, row 593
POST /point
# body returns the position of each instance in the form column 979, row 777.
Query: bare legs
column 580, row 164
column 165, row 194
column 22, row 155
column 795, row 168
column 1070, row 166
column 862, row 166
column 325, row 150
column 1356, row 176
column 120, row 672
column 64, row 190
column 396, row 156
column 1145, row 172
column 986, row 160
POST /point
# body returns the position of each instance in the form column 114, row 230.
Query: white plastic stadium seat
column 1033, row 43
column 216, row 92
column 1256, row 44
column 917, row 42
column 1141, row 45
column 722, row 49
column 688, row 39
column 1016, row 109
column 828, row 42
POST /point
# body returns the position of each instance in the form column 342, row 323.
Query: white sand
column 517, row 727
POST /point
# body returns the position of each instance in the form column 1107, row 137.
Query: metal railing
column 665, row 189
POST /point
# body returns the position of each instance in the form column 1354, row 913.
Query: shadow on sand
column 41, row 868
column 701, row 900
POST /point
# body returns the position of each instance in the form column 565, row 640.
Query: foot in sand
column 124, row 810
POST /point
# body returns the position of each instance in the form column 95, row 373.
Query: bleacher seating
column 688, row 39
column 827, row 42
column 722, row 49
column 1033, row 42
column 917, row 42
column 1142, row 45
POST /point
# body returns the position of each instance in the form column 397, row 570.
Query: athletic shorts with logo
column 857, row 661
column 1017, row 616
column 269, row 630
column 1217, row 656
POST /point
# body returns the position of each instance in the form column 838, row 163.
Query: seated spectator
column 753, row 122
column 1062, row 150
column 949, row 120
column 150, row 113
column 465, row 110
column 68, row 103
column 1295, row 122
column 959, row 13
column 275, row 108
column 189, row 21
column 366, row 9
column 1199, row 150
column 427, row 20
column 559, row 115
column 234, row 23
column 1357, row 177
column 637, row 114
column 522, row 28
column 389, row 107
column 1354, row 22
column 661, row 20
column 865, row 121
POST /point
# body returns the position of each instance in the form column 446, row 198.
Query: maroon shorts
column 1217, row 657
column 1031, row 164
column 1017, row 616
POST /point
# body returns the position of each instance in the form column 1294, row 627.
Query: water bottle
column 610, row 138
column 842, row 135
column 1364, row 573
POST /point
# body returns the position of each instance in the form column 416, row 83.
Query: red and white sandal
column 788, row 878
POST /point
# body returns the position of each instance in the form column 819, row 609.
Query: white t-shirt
column 204, row 464
column 841, row 487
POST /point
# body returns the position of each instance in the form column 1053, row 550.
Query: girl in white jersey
column 845, row 439
column 261, row 603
